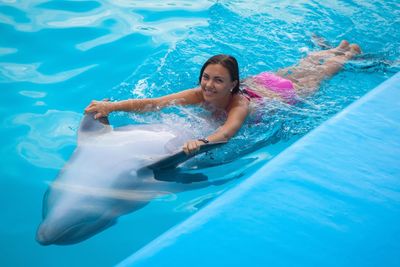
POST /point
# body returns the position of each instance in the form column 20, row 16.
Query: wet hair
column 229, row 63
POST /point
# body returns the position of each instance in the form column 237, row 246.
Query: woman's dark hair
column 228, row 62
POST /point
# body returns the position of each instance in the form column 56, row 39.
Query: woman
column 219, row 89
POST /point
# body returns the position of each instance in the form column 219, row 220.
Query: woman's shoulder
column 239, row 100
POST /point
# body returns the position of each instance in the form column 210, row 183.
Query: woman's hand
column 99, row 108
column 192, row 146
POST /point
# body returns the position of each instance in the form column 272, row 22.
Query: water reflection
column 12, row 72
column 48, row 134
column 125, row 17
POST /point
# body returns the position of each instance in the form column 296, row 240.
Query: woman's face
column 216, row 83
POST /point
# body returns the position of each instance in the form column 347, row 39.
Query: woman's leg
column 312, row 70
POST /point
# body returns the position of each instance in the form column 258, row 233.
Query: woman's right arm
column 103, row 108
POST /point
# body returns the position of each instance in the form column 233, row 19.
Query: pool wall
column 330, row 199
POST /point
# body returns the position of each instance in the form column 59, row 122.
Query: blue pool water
column 55, row 56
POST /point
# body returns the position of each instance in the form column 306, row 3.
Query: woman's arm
column 236, row 116
column 103, row 108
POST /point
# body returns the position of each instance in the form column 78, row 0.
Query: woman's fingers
column 98, row 115
column 97, row 107
column 191, row 147
column 195, row 146
column 91, row 107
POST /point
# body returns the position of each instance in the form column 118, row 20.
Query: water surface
column 56, row 56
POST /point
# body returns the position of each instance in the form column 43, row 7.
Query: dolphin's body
column 106, row 178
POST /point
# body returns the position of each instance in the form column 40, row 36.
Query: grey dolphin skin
column 107, row 177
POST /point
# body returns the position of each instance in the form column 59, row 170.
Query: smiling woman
column 218, row 91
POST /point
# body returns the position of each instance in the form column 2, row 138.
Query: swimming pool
column 55, row 56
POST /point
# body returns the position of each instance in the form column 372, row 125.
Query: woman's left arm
column 236, row 116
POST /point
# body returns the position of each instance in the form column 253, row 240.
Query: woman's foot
column 344, row 45
column 339, row 50
column 343, row 49
column 354, row 49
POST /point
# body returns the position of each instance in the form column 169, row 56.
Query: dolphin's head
column 70, row 217
column 73, row 213
column 101, row 181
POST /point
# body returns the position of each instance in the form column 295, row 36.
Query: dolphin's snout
column 48, row 234
column 42, row 236
column 53, row 234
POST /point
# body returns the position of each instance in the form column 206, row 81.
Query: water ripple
column 12, row 72
column 48, row 134
column 125, row 16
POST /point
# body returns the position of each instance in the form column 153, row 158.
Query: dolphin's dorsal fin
column 90, row 126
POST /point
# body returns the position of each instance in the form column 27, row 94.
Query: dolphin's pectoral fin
column 179, row 157
column 175, row 175
column 90, row 125
column 165, row 168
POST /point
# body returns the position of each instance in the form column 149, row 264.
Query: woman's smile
column 209, row 92
column 216, row 83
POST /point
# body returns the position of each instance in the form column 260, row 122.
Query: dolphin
column 112, row 172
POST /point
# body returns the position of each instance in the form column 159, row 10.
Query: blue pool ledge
column 330, row 199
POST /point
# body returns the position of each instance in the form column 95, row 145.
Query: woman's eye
column 219, row 81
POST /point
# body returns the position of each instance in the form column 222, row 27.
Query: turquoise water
column 56, row 56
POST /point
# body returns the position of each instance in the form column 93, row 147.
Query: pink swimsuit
column 281, row 86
